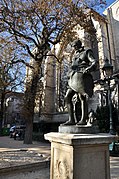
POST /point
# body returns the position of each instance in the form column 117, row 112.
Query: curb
column 26, row 167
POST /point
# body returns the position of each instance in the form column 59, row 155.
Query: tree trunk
column 28, row 131
column 30, row 94
column 2, row 111
column 0, row 123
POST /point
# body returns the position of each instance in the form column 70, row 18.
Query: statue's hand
column 86, row 70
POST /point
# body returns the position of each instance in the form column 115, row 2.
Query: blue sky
column 108, row 2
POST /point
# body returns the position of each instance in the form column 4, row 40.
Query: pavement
column 27, row 161
column 9, row 144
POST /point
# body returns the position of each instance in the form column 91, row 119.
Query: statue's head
column 77, row 44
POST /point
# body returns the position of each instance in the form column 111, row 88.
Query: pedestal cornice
column 80, row 139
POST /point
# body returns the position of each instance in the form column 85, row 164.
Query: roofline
column 102, row 17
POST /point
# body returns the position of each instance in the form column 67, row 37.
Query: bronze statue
column 80, row 83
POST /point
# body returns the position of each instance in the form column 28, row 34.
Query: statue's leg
column 78, row 112
column 68, row 100
column 84, row 110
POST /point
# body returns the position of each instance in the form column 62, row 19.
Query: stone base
column 80, row 129
column 79, row 156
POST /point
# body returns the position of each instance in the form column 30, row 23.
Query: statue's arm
column 74, row 64
column 93, row 62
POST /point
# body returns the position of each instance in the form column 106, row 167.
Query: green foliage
column 5, row 131
column 102, row 116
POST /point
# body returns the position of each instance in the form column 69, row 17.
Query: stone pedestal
column 81, row 129
column 79, row 156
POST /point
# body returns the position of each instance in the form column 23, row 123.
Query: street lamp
column 108, row 71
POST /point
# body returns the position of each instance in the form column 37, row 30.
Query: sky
column 108, row 2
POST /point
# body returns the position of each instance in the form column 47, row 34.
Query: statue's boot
column 82, row 122
column 84, row 108
column 71, row 120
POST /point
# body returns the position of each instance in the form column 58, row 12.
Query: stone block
column 79, row 156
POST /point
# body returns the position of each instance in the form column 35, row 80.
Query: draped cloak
column 77, row 80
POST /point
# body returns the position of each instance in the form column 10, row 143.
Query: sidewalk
column 114, row 167
column 8, row 144
column 30, row 161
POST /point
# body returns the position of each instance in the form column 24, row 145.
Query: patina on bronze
column 80, row 83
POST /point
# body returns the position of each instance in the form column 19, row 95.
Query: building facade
column 14, row 109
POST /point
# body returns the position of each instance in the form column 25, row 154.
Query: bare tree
column 11, row 76
column 38, row 25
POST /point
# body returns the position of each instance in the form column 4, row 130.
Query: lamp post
column 108, row 71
